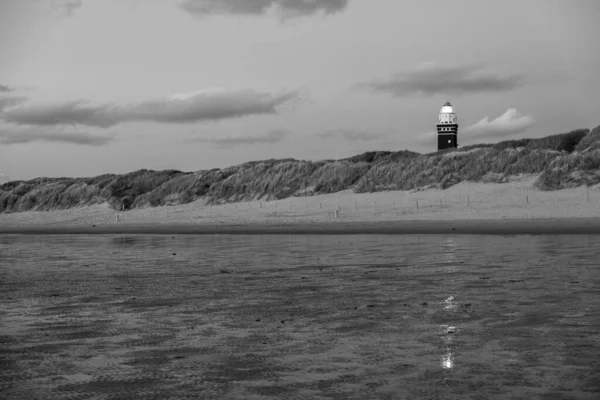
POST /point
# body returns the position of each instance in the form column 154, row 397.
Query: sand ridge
column 514, row 200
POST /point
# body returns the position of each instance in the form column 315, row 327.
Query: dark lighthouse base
column 447, row 141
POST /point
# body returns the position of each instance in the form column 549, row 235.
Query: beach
column 503, row 208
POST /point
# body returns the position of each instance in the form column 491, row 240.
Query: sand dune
column 517, row 199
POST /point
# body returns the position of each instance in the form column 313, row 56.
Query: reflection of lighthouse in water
column 447, row 128
column 449, row 308
column 448, row 332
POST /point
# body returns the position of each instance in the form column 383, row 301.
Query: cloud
column 508, row 124
column 206, row 105
column 9, row 101
column 351, row 134
column 65, row 7
column 433, row 79
column 10, row 135
column 4, row 179
column 258, row 7
column 273, row 136
column 68, row 113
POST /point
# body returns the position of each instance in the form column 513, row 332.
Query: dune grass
column 562, row 161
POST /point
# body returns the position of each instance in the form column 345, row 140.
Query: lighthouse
column 447, row 128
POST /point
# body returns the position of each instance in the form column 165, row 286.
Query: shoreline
column 546, row 226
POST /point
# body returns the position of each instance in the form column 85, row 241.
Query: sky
column 89, row 87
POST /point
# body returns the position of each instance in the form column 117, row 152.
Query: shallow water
column 299, row 317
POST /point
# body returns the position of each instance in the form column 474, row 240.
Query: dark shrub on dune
column 562, row 142
column 590, row 142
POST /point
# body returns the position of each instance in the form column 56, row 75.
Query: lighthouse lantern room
column 447, row 128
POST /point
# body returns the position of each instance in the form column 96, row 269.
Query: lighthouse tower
column 447, row 128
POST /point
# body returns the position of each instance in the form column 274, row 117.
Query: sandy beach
column 512, row 207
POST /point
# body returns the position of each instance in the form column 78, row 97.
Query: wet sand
column 277, row 317
column 585, row 226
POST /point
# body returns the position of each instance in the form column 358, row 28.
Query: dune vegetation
column 561, row 161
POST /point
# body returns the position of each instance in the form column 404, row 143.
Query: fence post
column 417, row 204
column 440, row 202
column 588, row 193
column 527, row 198
column 467, row 201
